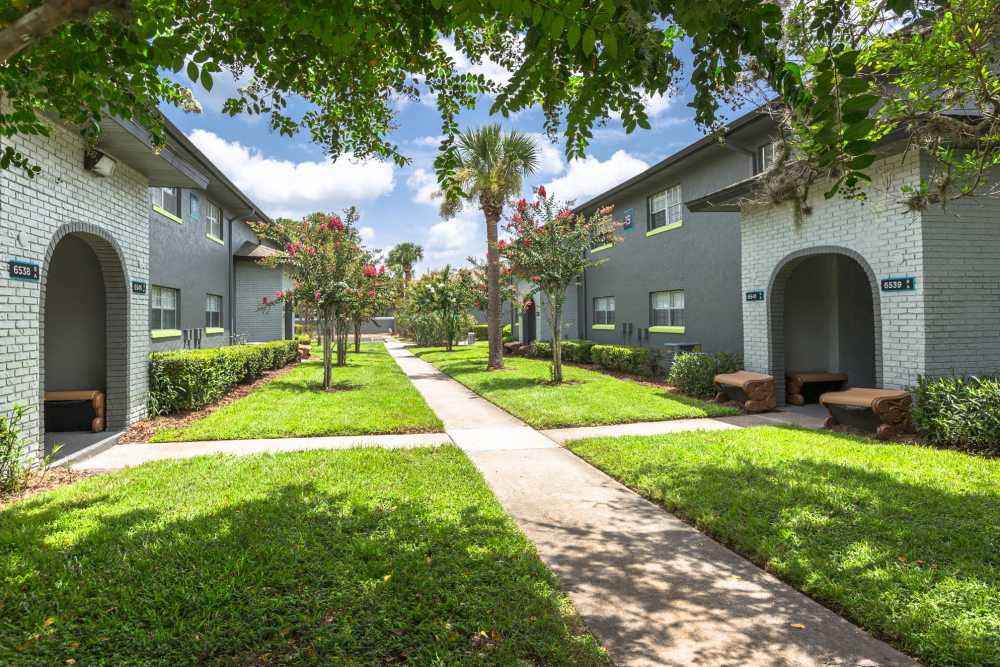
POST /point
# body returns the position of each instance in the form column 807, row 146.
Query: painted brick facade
column 111, row 215
column 949, row 323
column 881, row 233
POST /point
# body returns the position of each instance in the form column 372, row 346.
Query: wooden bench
column 807, row 387
column 754, row 391
column 887, row 412
column 64, row 409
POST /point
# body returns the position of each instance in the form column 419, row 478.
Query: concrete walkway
column 124, row 456
column 653, row 589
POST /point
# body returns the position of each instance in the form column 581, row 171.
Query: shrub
column 299, row 329
column 694, row 372
column 507, row 333
column 482, row 331
column 540, row 349
column 959, row 412
column 638, row 360
column 303, row 340
column 13, row 452
column 577, row 351
column 191, row 379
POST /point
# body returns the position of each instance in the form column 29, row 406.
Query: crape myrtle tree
column 448, row 294
column 550, row 249
column 375, row 293
column 508, row 285
column 489, row 173
column 325, row 260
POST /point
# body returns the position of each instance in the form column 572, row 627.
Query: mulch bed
column 142, row 431
column 40, row 481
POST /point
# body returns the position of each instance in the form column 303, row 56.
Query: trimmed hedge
column 577, row 351
column 191, row 379
column 482, row 331
column 638, row 360
column 694, row 372
column 540, row 349
column 959, row 412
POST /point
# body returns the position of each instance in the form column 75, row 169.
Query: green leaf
column 206, row 79
column 573, row 36
column 859, row 147
column 192, row 71
column 859, row 130
column 589, row 38
column 860, row 103
column 611, row 43
column 558, row 23
column 862, row 161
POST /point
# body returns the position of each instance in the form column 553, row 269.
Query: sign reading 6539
column 21, row 270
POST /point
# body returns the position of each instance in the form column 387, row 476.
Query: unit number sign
column 21, row 270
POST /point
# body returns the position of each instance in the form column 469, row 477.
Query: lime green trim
column 601, row 247
column 603, row 327
column 167, row 214
column 216, row 239
column 213, row 331
column 165, row 333
column 661, row 329
column 664, row 228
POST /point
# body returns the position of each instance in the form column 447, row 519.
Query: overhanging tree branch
column 45, row 19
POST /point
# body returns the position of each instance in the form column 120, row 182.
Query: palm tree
column 490, row 172
column 404, row 256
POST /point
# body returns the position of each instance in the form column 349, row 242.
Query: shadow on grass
column 315, row 386
column 295, row 575
column 914, row 563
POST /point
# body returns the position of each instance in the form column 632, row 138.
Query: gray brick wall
column 111, row 215
column 880, row 233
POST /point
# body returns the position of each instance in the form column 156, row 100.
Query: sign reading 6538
column 21, row 270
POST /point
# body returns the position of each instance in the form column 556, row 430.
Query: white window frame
column 674, row 311
column 156, row 195
column 605, row 314
column 213, row 311
column 156, row 303
column 765, row 156
column 670, row 203
column 213, row 219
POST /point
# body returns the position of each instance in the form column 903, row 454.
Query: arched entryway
column 84, row 334
column 824, row 317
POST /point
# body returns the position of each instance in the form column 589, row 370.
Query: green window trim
column 165, row 333
column 602, row 247
column 212, row 237
column 664, row 329
column 603, row 327
column 664, row 228
column 214, row 331
column 167, row 214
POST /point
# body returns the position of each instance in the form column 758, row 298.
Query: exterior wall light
column 99, row 163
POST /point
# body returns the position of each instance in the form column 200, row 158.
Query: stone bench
column 807, row 387
column 754, row 391
column 74, row 410
column 886, row 412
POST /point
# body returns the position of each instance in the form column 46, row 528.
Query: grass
column 373, row 396
column 587, row 398
column 352, row 557
column 903, row 540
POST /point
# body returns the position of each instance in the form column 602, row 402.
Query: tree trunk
column 327, row 345
column 407, row 277
column 493, row 291
column 555, row 324
column 341, row 342
column 357, row 337
column 46, row 19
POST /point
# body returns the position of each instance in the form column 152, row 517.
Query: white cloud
column 453, row 241
column 590, row 176
column 491, row 70
column 367, row 233
column 550, row 159
column 657, row 104
column 284, row 187
column 432, row 141
column 424, row 185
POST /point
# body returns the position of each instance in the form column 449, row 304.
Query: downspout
column 231, row 281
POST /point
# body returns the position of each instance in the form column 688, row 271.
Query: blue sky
column 292, row 176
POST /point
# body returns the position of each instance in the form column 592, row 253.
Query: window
column 169, row 199
column 604, row 310
column 163, row 308
column 665, row 208
column 765, row 157
column 666, row 308
column 213, row 311
column 213, row 220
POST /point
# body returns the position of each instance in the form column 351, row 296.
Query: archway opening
column 827, row 321
column 84, row 341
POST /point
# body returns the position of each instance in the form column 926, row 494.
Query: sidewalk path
column 652, row 588
column 123, row 456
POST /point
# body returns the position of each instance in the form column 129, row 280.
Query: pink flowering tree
column 325, row 260
column 550, row 248
column 373, row 293
column 448, row 294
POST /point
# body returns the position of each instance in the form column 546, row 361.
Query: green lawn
column 587, row 398
column 373, row 396
column 353, row 557
column 904, row 540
